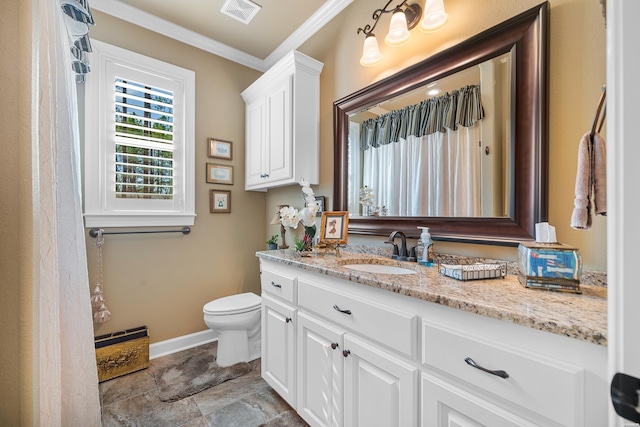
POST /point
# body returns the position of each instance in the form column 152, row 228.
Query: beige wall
column 217, row 258
column 163, row 280
column 16, row 257
column 577, row 73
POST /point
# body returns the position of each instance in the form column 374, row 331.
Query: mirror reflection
column 441, row 150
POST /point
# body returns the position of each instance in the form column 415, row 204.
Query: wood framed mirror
column 525, row 37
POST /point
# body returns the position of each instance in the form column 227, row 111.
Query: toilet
column 236, row 320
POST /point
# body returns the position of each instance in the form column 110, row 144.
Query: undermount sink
column 379, row 268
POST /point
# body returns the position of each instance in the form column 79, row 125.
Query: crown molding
column 151, row 22
column 323, row 15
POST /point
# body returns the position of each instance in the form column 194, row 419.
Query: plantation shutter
column 144, row 141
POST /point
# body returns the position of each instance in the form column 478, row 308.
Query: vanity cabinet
column 282, row 124
column 445, row 405
column 366, row 356
column 320, row 372
column 548, row 386
column 344, row 377
column 380, row 389
column 278, row 334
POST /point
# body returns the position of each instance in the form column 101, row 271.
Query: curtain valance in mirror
column 459, row 107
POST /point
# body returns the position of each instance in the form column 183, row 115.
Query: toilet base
column 234, row 347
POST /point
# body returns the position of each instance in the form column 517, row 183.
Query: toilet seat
column 233, row 304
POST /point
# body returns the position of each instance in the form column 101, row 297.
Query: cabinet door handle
column 345, row 353
column 288, row 319
column 277, row 285
column 334, row 345
column 471, row 362
column 335, row 307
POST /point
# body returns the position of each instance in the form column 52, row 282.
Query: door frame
column 623, row 152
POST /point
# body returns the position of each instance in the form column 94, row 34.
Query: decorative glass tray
column 473, row 271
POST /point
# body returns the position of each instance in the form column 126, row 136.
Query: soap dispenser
column 425, row 244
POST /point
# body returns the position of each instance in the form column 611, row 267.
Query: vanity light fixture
column 434, row 17
column 404, row 18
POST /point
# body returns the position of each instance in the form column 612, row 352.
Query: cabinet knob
column 276, row 285
column 335, row 307
column 501, row 374
column 345, row 353
column 264, row 175
column 334, row 345
column 288, row 319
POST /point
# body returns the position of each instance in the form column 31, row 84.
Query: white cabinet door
column 320, row 362
column 444, row 405
column 285, row 146
column 278, row 348
column 379, row 389
column 256, row 140
column 279, row 150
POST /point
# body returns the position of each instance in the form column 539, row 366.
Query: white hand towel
column 599, row 175
column 581, row 217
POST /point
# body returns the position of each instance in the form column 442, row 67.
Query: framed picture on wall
column 334, row 228
column 220, row 201
column 219, row 174
column 220, row 149
column 320, row 202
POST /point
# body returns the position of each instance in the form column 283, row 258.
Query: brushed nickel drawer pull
column 335, row 307
column 501, row 374
column 277, row 285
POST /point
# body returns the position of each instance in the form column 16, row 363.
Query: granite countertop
column 580, row 316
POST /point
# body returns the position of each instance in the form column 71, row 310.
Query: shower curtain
column 67, row 380
column 432, row 175
column 425, row 159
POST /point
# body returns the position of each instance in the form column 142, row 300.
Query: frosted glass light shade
column 370, row 52
column 398, row 32
column 434, row 16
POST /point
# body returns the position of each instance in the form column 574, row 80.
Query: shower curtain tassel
column 102, row 313
column 96, row 297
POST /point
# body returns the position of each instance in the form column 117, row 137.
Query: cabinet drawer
column 389, row 326
column 551, row 388
column 279, row 285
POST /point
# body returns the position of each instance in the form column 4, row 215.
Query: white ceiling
column 279, row 27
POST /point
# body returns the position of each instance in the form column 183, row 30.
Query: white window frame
column 102, row 209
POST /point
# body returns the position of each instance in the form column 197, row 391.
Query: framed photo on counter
column 334, row 228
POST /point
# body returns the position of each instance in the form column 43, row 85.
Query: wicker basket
column 122, row 352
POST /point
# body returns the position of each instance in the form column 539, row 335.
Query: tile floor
column 246, row 401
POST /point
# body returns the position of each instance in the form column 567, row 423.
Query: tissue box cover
column 549, row 262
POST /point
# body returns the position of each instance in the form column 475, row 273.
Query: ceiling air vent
column 242, row 10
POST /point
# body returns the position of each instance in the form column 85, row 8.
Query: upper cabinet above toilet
column 282, row 124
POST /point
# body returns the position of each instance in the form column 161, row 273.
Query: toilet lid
column 233, row 304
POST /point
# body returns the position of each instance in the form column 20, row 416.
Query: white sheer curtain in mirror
column 425, row 159
column 446, row 164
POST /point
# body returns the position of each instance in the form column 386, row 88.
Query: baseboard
column 174, row 345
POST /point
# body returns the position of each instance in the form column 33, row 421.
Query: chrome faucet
column 402, row 254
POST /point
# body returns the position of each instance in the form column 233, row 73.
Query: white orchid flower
column 289, row 217
column 308, row 217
